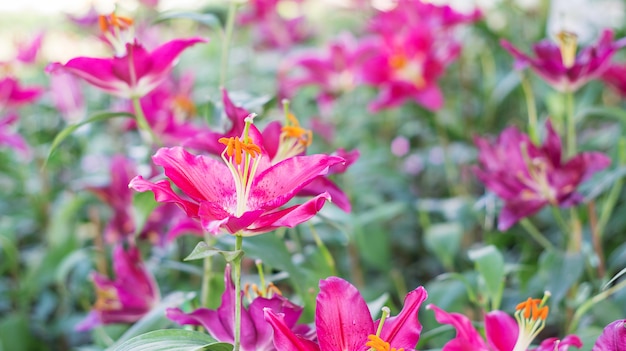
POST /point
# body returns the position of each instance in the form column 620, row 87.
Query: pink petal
column 613, row 337
column 467, row 338
column 279, row 183
column 342, row 318
column 200, row 177
column 322, row 184
column 284, row 338
column 163, row 193
column 501, row 331
column 403, row 330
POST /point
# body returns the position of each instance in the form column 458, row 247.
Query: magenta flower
column 615, row 77
column 335, row 71
column 67, row 96
column 9, row 137
column 256, row 333
column 271, row 30
column 344, row 323
column 244, row 193
column 559, row 65
column 503, row 333
column 162, row 225
column 13, row 95
column 134, row 74
column 528, row 177
column 127, row 298
column 416, row 46
column 27, row 51
column 613, row 338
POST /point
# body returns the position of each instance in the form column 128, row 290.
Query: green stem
column 142, row 122
column 449, row 169
column 536, row 234
column 531, row 107
column 556, row 212
column 237, row 271
column 594, row 300
column 228, row 33
column 616, row 189
column 207, row 274
column 570, row 121
column 328, row 257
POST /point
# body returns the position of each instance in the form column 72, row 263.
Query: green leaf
column 203, row 250
column 143, row 205
column 490, row 265
column 208, row 19
column 444, row 240
column 173, row 340
column 71, row 128
column 155, row 319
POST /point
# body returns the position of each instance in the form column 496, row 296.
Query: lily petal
column 613, row 338
column 403, row 330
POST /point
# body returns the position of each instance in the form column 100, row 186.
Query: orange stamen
column 107, row 300
column 377, row 344
column 236, row 147
column 294, row 130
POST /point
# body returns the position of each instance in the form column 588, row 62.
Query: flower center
column 266, row 291
column 567, row 44
column 118, row 30
column 107, row 299
column 376, row 343
column 293, row 139
column 531, row 317
column 539, row 182
column 240, row 156
column 411, row 70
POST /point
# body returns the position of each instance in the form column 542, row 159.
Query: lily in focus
column 528, row 177
column 503, row 333
column 343, row 322
column 244, row 192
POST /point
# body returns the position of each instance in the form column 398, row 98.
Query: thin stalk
column 142, row 122
column 228, row 34
column 536, row 234
column 596, row 237
column 576, row 239
column 570, row 121
column 237, row 272
column 449, row 169
column 556, row 212
column 616, row 189
column 207, row 274
column 594, row 300
column 531, row 108
column 328, row 257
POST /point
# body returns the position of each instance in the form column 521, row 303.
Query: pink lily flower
column 244, row 193
column 132, row 75
column 503, row 333
column 528, row 177
column 615, row 77
column 27, row 51
column 255, row 331
column 613, row 338
column 163, row 224
column 335, row 71
column 559, row 65
column 67, row 96
column 13, row 95
column 9, row 137
column 127, row 298
column 271, row 30
column 412, row 56
column 281, row 142
column 344, row 323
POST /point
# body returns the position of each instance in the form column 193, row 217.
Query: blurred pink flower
column 416, row 45
column 27, row 51
column 256, row 333
column 12, row 95
column 615, row 77
column 270, row 29
column 128, row 297
column 67, row 96
column 343, row 322
column 334, row 71
column 88, row 19
column 613, row 338
column 502, row 332
column 559, row 65
column 162, row 225
column 528, row 177
column 9, row 137
column 244, row 193
column 133, row 75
